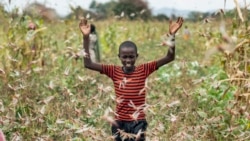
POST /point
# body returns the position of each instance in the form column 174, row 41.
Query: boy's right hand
column 84, row 27
column 174, row 27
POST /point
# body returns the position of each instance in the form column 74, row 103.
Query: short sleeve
column 108, row 70
column 150, row 67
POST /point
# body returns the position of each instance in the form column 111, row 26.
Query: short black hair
column 128, row 44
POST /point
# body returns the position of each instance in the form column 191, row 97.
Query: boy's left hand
column 174, row 27
column 84, row 27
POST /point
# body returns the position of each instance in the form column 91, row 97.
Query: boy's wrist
column 85, row 36
column 171, row 40
column 171, row 33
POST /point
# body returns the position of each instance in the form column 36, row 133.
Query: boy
column 129, row 82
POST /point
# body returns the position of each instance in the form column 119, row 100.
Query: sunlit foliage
column 47, row 94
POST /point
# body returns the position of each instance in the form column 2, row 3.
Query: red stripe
column 131, row 89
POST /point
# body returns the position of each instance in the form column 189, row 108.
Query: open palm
column 174, row 27
column 84, row 27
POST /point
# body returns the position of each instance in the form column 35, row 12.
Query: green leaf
column 202, row 114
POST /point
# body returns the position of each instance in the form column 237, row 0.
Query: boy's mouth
column 128, row 65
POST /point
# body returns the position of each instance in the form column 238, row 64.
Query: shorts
column 132, row 127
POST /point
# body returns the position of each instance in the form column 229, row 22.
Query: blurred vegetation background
column 47, row 94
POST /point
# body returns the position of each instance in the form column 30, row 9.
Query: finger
column 170, row 22
column 85, row 21
column 81, row 20
column 178, row 20
column 181, row 20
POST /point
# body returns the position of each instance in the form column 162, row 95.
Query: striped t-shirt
column 130, row 90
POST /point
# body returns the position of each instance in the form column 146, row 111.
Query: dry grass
column 46, row 94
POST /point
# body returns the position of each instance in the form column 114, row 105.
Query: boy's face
column 128, row 56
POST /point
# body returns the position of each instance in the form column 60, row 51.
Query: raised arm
column 170, row 56
column 85, row 29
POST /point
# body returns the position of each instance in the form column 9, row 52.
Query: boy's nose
column 128, row 60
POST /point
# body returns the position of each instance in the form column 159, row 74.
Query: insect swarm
column 52, row 97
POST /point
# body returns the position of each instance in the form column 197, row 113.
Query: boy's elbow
column 171, row 58
column 87, row 66
column 87, row 63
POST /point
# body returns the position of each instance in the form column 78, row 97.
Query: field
column 47, row 94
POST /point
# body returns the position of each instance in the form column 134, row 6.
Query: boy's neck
column 128, row 71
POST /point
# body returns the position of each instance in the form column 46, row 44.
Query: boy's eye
column 128, row 56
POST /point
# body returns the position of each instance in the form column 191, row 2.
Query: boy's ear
column 137, row 55
column 118, row 55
